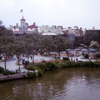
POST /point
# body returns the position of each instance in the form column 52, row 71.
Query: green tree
column 30, row 44
column 18, row 48
column 61, row 43
column 89, row 36
column 6, row 42
column 46, row 43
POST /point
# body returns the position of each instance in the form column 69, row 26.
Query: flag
column 21, row 10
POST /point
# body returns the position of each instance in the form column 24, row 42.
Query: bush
column 88, row 64
column 63, row 65
column 51, row 66
column 40, row 74
column 97, row 64
column 7, row 72
column 56, row 61
column 66, row 58
column 1, row 69
column 39, row 71
column 41, row 66
column 70, row 64
column 86, row 55
column 80, row 64
column 31, row 75
column 30, row 66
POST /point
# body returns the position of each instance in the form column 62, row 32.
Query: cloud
column 59, row 12
column 7, row 2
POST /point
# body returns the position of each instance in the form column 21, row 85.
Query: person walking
column 76, row 59
column 89, row 58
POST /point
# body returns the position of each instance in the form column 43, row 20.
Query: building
column 53, row 30
column 24, row 28
column 94, row 35
column 75, row 35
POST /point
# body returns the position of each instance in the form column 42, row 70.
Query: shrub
column 70, row 64
column 39, row 71
column 88, row 64
column 97, row 63
column 40, row 74
column 51, row 66
column 1, row 69
column 66, row 58
column 86, row 55
column 63, row 65
column 80, row 64
column 7, row 72
column 30, row 66
column 41, row 66
column 56, row 61
column 31, row 75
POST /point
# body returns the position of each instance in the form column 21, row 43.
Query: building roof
column 32, row 26
column 22, row 19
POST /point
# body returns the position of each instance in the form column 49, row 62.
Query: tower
column 23, row 26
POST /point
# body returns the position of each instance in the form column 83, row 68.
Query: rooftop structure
column 23, row 28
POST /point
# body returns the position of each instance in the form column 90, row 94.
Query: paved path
column 80, row 58
column 12, row 66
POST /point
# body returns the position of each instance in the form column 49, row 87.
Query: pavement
column 13, row 67
column 80, row 58
column 11, row 62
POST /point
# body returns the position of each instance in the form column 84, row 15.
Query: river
column 66, row 84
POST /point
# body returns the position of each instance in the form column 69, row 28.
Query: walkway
column 12, row 66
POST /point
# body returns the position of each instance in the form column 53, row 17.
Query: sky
column 66, row 13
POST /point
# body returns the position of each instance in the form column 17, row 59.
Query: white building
column 46, row 30
column 23, row 28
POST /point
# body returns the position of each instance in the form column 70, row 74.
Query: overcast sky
column 82, row 13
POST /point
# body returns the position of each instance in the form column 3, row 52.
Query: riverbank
column 19, row 75
column 39, row 68
column 38, row 59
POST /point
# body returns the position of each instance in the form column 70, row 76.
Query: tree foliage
column 89, row 36
column 61, row 43
column 46, row 43
column 6, row 41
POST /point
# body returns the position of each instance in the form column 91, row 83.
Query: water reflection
column 67, row 84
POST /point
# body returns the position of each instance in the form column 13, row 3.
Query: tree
column 47, row 43
column 89, row 36
column 94, row 45
column 61, row 43
column 29, row 44
column 6, row 42
column 18, row 48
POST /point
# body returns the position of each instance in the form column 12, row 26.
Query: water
column 66, row 84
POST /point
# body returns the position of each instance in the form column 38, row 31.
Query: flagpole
column 21, row 11
column 22, row 14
